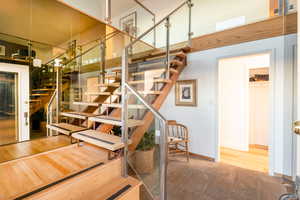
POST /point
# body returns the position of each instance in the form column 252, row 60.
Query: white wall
column 144, row 22
column 202, row 120
column 93, row 8
column 259, row 109
column 233, row 104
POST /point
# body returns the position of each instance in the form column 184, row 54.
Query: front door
column 14, row 106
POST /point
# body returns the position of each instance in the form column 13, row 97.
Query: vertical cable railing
column 128, row 91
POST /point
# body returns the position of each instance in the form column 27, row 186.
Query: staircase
column 104, row 112
column 116, row 113
column 44, row 84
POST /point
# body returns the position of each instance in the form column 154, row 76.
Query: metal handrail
column 154, row 18
column 49, row 108
column 99, row 39
column 149, row 106
column 54, row 58
column 105, row 39
column 126, row 87
column 157, row 24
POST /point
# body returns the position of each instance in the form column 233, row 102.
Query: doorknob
column 296, row 127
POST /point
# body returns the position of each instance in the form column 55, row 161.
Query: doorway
column 14, row 107
column 244, row 111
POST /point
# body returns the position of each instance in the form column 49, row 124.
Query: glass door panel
column 8, row 107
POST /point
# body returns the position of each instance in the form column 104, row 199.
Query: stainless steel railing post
column 108, row 11
column 163, row 161
column 58, row 93
column 125, row 111
column 190, row 33
column 167, row 25
column 103, row 63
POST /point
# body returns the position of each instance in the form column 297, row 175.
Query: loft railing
column 129, row 92
column 61, row 68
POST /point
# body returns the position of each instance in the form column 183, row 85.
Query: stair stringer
column 138, row 133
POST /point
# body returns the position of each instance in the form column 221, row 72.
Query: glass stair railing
column 146, row 82
column 116, row 86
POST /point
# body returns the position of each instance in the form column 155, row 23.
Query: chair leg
column 187, row 152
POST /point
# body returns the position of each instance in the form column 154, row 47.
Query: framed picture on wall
column 128, row 24
column 186, row 93
column 2, row 50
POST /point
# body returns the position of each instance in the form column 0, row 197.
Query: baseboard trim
column 289, row 178
column 259, row 146
column 202, row 157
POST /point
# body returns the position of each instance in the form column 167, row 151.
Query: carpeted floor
column 204, row 180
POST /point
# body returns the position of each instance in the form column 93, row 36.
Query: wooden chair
column 178, row 139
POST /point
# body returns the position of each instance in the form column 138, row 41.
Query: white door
column 14, row 107
column 233, row 104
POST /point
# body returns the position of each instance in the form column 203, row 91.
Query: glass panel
column 53, row 39
column 145, row 160
column 8, row 108
column 13, row 49
column 133, row 18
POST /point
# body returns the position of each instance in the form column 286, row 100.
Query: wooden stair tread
column 181, row 55
column 39, row 94
column 104, row 140
column 95, row 104
column 103, row 182
column 78, row 115
column 156, row 55
column 152, row 80
column 27, row 174
column 115, row 121
column 43, row 90
column 117, row 70
column 117, row 105
column 176, row 63
column 109, row 84
column 116, row 186
column 98, row 93
column 112, row 76
column 152, row 92
column 153, row 71
column 65, row 128
column 34, row 100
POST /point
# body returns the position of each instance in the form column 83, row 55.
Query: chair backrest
column 177, row 130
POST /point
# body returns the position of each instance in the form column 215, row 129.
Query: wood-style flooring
column 18, row 150
column 205, row 180
column 255, row 159
column 24, row 175
column 7, row 131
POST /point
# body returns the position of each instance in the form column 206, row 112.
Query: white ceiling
column 46, row 21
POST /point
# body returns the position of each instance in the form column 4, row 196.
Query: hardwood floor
column 7, row 131
column 24, row 175
column 256, row 159
column 207, row 180
column 18, row 150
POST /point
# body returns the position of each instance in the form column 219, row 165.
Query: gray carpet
column 204, row 180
